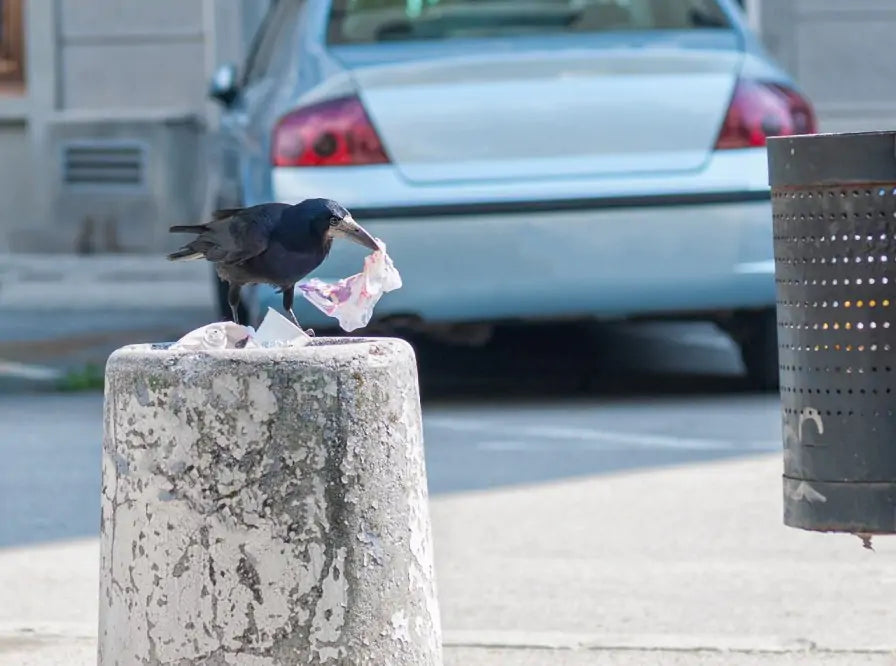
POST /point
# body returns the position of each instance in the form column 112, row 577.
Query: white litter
column 275, row 331
column 220, row 335
column 351, row 300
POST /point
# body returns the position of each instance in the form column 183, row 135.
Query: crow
column 272, row 243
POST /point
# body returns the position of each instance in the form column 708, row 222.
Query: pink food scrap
column 352, row 299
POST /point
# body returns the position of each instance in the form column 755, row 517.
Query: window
column 12, row 51
column 366, row 21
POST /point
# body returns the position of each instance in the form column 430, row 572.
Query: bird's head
column 331, row 220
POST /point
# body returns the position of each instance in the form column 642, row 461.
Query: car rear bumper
column 608, row 258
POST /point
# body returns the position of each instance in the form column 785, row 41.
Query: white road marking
column 673, row 642
column 23, row 371
column 754, row 267
column 534, row 438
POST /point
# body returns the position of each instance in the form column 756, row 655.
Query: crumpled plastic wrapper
column 220, row 335
column 351, row 300
column 275, row 331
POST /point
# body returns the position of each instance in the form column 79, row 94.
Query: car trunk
column 545, row 113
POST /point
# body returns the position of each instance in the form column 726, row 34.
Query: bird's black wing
column 235, row 238
column 222, row 213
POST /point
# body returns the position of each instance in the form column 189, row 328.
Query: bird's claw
column 307, row 331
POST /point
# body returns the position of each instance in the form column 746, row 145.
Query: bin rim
column 831, row 159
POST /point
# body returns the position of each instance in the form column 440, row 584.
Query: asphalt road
column 538, row 403
column 50, row 444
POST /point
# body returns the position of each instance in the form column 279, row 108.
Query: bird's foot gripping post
column 266, row 506
column 834, row 217
column 288, row 297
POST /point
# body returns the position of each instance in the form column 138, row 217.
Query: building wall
column 152, row 60
column 146, row 63
column 15, row 175
column 158, row 51
column 840, row 52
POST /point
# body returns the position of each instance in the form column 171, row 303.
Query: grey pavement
column 91, row 299
column 489, row 657
column 603, row 520
column 62, row 312
column 635, row 530
column 109, row 281
column 50, row 446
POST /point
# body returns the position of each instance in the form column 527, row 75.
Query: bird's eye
column 334, row 221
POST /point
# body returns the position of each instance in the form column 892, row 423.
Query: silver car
column 524, row 159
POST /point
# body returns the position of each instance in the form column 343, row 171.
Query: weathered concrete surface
column 266, row 507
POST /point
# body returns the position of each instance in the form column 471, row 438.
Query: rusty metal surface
column 832, row 159
column 835, row 273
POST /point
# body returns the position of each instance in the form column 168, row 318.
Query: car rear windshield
column 367, row 21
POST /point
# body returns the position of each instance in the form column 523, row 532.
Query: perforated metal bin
column 834, row 217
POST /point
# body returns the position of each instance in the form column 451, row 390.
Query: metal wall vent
column 104, row 165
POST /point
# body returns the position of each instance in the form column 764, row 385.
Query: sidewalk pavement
column 64, row 312
column 52, row 282
column 687, row 566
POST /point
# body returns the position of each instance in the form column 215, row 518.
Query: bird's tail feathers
column 188, row 228
column 220, row 214
column 185, row 254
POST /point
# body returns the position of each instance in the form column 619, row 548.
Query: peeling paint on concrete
column 266, row 507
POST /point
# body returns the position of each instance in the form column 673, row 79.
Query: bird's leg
column 233, row 297
column 288, row 296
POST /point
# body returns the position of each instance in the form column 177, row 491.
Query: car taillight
column 336, row 132
column 759, row 110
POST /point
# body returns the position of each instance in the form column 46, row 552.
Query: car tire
column 759, row 351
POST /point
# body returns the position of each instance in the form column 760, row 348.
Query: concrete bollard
column 266, row 507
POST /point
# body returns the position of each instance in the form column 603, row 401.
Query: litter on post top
column 275, row 331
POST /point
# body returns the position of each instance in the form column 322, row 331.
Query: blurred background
column 574, row 191
column 591, row 166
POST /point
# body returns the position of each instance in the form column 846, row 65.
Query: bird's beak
column 348, row 228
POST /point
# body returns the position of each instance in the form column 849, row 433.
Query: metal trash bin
column 834, row 218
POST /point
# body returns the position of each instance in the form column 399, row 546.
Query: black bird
column 272, row 243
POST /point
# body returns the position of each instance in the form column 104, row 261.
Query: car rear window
column 367, row 21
